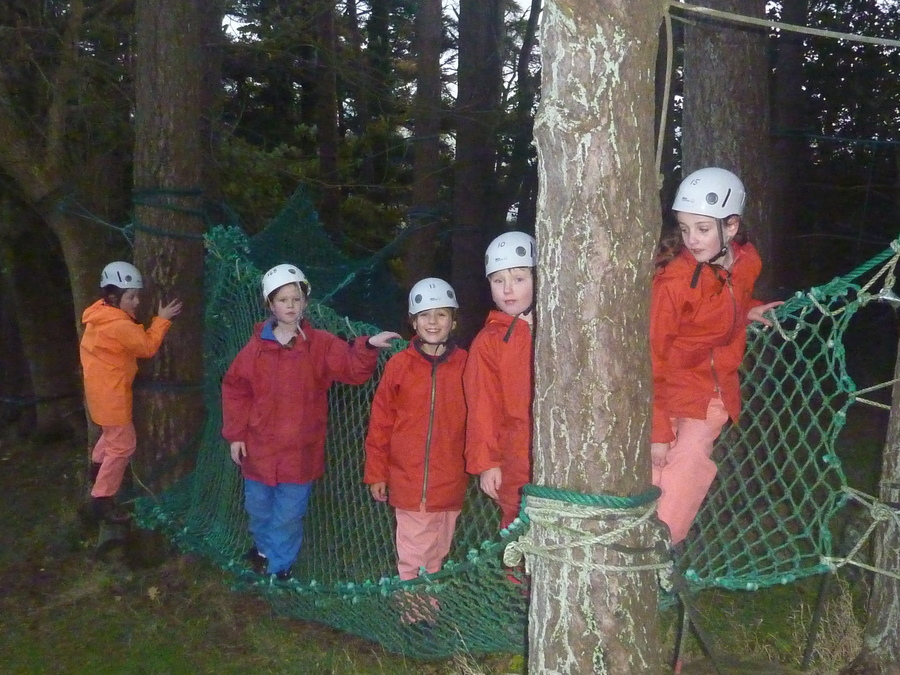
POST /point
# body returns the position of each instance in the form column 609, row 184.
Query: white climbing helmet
column 431, row 293
column 711, row 192
column 510, row 249
column 121, row 275
column 283, row 274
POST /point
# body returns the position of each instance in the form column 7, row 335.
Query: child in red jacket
column 112, row 343
column 497, row 380
column 702, row 301
column 417, row 432
column 275, row 412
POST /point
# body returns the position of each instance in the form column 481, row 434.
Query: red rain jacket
column 417, row 431
column 498, row 386
column 698, row 336
column 275, row 400
column 110, row 347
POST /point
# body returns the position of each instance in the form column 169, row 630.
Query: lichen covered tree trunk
column 168, row 178
column 598, row 221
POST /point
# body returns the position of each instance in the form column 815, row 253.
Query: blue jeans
column 276, row 520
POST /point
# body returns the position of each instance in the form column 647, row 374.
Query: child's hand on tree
column 169, row 311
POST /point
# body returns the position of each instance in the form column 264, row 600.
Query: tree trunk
column 327, row 118
column 46, row 332
column 168, row 174
column 881, row 645
column 726, row 114
column 789, row 148
column 598, row 220
column 520, row 188
column 474, row 207
column 419, row 249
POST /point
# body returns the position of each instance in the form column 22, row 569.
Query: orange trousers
column 689, row 471
column 112, row 452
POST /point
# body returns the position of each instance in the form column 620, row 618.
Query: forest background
column 399, row 119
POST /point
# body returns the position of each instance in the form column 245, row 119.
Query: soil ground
column 67, row 607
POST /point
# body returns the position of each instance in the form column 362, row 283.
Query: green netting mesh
column 766, row 521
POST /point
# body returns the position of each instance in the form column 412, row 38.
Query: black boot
column 257, row 560
column 105, row 508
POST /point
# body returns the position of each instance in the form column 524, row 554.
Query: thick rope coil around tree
column 548, row 507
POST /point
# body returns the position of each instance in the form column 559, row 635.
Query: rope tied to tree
column 546, row 507
column 880, row 512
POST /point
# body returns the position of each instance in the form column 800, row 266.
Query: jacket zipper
column 712, row 359
column 434, row 366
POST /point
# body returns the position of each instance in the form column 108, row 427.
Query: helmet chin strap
column 712, row 261
column 724, row 249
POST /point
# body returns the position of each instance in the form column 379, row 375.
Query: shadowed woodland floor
column 66, row 607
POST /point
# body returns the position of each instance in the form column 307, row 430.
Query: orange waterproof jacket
column 698, row 336
column 275, row 400
column 417, row 430
column 110, row 347
column 498, row 386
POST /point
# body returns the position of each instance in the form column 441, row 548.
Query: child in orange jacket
column 112, row 343
column 702, row 301
column 417, row 432
column 498, row 381
column 275, row 413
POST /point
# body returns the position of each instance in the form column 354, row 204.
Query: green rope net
column 767, row 519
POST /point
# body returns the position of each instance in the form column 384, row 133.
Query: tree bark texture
column 32, row 262
column 419, row 249
column 474, row 192
column 726, row 113
column 168, row 176
column 881, row 647
column 327, row 118
column 521, row 181
column 789, row 149
column 598, row 222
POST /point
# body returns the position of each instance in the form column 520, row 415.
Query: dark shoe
column 285, row 575
column 257, row 560
column 105, row 508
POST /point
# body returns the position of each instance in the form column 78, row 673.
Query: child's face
column 288, row 304
column 700, row 234
column 130, row 301
column 512, row 290
column 433, row 326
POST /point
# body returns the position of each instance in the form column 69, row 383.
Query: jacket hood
column 102, row 313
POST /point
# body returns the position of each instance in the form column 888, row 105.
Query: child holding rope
column 275, row 410
column 498, row 381
column 112, row 343
column 702, row 301
column 417, row 433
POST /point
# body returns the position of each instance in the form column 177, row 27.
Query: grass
column 64, row 609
